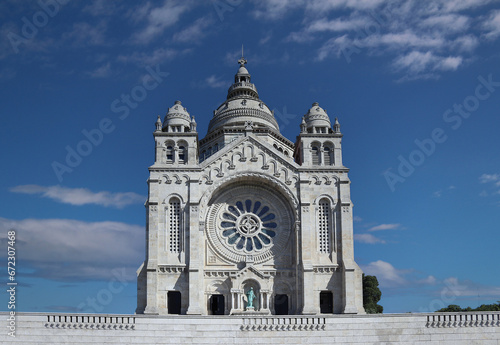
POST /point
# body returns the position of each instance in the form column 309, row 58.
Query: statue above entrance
column 250, row 298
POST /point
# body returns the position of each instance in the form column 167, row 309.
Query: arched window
column 327, row 153
column 216, row 148
column 174, row 225
column 203, row 155
column 170, row 154
column 324, row 226
column 182, row 154
column 209, row 152
column 315, row 155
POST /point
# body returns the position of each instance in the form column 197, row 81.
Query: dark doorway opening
column 326, row 302
column 217, row 304
column 174, row 302
column 281, row 304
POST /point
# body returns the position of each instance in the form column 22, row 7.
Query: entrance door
column 217, row 305
column 174, row 302
column 326, row 302
column 281, row 304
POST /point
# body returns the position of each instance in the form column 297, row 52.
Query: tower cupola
column 317, row 120
column 177, row 119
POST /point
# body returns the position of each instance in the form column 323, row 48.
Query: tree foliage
column 371, row 295
column 453, row 308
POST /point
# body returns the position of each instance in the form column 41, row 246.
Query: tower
column 246, row 221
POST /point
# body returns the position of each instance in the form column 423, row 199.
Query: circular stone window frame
column 229, row 196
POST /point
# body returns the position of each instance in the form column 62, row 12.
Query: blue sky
column 415, row 86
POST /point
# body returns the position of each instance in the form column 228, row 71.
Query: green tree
column 453, row 308
column 371, row 295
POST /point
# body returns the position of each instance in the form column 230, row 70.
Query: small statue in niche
column 250, row 298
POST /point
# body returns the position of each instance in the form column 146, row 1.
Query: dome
column 176, row 116
column 243, row 105
column 237, row 111
column 317, row 117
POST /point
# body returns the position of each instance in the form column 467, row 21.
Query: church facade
column 244, row 221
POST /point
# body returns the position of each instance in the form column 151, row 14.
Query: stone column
column 176, row 154
column 350, row 292
column 306, row 227
column 152, row 251
column 195, row 261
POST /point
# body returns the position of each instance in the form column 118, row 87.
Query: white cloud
column 64, row 249
column 215, row 82
column 265, row 39
column 393, row 280
column 391, row 277
column 336, row 46
column 461, row 5
column 465, row 43
column 387, row 275
column 101, row 8
column 367, row 238
column 430, row 280
column 274, row 9
column 494, row 179
column 321, row 6
column 425, row 38
column 385, row 227
column 465, row 288
column 417, row 62
column 194, row 32
column 439, row 193
column 85, row 34
column 402, row 40
column 449, row 23
column 335, row 25
column 450, row 63
column 81, row 196
column 486, row 178
column 357, row 219
column 103, row 71
column 492, row 25
column 157, row 19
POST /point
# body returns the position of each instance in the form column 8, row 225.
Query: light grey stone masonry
column 437, row 328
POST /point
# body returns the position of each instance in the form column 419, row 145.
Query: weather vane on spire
column 242, row 61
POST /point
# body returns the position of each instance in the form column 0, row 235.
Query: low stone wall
column 437, row 328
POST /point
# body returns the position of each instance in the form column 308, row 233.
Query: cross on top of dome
column 242, row 61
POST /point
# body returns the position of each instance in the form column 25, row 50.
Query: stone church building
column 244, row 208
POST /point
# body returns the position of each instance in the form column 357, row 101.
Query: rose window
column 247, row 222
column 248, row 225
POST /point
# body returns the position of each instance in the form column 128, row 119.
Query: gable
column 250, row 155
